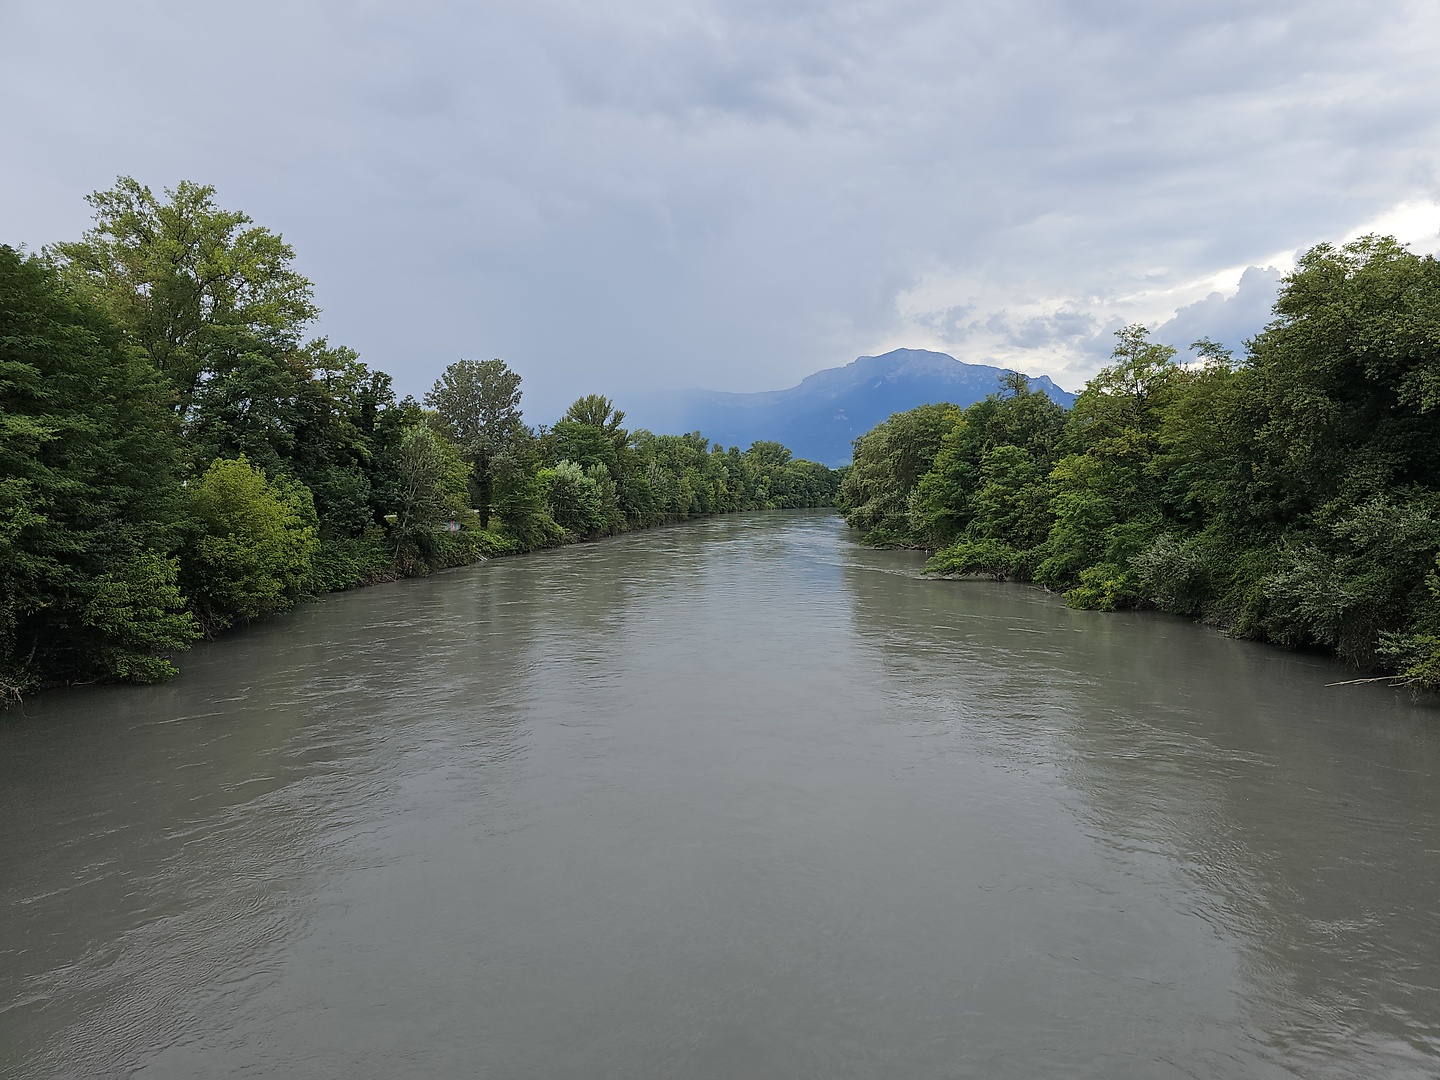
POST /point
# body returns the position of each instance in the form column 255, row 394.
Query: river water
column 731, row 799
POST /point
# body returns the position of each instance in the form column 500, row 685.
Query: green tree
column 316, row 414
column 1325, row 514
column 572, row 498
column 889, row 461
column 943, row 505
column 88, row 493
column 520, row 495
column 183, row 277
column 592, row 433
column 1009, row 518
column 1107, row 502
column 215, row 302
column 1341, row 387
column 248, row 405
column 432, row 484
column 478, row 405
column 168, row 343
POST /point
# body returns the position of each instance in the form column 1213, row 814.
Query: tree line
column 1290, row 496
column 177, row 456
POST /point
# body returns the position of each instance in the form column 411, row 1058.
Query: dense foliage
column 1293, row 496
column 177, row 457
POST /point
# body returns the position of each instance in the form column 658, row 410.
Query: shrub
column 988, row 556
column 1105, row 587
column 347, row 561
column 251, row 544
column 1173, row 574
column 136, row 611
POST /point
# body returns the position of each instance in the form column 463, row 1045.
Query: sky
column 648, row 195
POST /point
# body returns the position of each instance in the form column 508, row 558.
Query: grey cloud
column 730, row 194
column 1037, row 331
column 1227, row 320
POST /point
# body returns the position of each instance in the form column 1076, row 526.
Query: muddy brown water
column 732, row 799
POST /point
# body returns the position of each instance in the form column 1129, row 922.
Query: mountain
column 819, row 418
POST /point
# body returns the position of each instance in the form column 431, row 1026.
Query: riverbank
column 1290, row 496
column 184, row 466
column 374, row 558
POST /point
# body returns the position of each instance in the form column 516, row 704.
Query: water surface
column 731, row 799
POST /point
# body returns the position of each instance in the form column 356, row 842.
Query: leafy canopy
column 181, row 275
column 89, row 492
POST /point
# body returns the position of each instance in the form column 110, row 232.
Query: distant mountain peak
column 819, row 417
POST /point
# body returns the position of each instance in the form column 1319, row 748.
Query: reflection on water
column 1298, row 820
column 735, row 798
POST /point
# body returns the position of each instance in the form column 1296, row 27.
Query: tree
column 478, row 406
column 1012, row 504
column 432, row 485
column 1343, row 383
column 572, row 498
column 1107, row 502
column 591, row 433
column 943, row 505
column 246, row 406
column 88, row 493
column 176, row 458
column 1329, row 489
column 316, row 414
column 889, row 461
column 182, row 276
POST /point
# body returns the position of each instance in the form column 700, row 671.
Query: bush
column 1174, row 574
column 1415, row 658
column 1106, row 587
column 346, row 562
column 135, row 612
column 988, row 556
column 251, row 544
column 1361, row 573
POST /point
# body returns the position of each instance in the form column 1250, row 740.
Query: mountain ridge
column 820, row 416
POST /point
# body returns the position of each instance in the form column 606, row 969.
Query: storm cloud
column 645, row 195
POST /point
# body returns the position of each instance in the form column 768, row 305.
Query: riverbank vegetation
column 1290, row 496
column 177, row 457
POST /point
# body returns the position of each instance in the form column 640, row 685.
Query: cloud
column 1228, row 320
column 1415, row 222
column 734, row 193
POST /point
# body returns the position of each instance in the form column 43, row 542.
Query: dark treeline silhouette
column 1292, row 496
column 176, row 456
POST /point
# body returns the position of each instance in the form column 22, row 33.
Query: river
column 730, row 799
